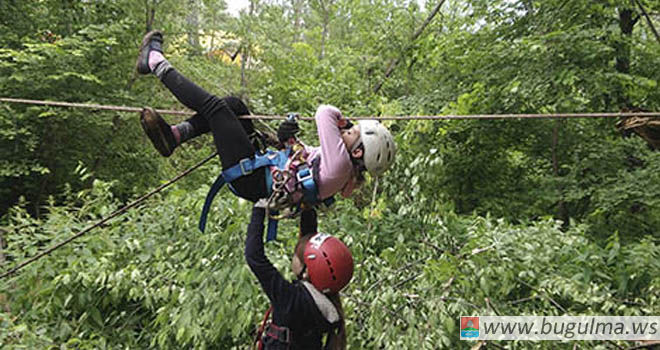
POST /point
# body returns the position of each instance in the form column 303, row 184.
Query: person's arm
column 335, row 160
column 278, row 290
column 308, row 222
column 350, row 186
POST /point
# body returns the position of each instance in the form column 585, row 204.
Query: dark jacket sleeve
column 280, row 291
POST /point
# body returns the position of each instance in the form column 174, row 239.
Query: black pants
column 230, row 134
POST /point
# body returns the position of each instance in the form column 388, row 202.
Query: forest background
column 496, row 217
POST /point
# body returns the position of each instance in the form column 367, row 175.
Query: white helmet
column 379, row 147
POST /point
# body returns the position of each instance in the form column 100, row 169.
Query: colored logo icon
column 469, row 327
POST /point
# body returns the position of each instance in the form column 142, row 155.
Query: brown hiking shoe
column 159, row 132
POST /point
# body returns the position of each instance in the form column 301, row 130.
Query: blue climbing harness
column 280, row 159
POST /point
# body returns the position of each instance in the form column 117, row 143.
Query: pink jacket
column 336, row 169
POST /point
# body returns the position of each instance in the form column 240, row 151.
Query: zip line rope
column 265, row 117
column 106, row 219
column 415, row 117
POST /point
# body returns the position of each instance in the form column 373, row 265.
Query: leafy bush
column 150, row 279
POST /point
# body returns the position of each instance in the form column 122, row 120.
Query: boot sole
column 152, row 126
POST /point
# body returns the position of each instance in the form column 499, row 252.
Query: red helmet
column 329, row 263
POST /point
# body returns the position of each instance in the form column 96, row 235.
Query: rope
column 106, row 219
column 415, row 117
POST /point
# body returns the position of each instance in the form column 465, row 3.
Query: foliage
column 476, row 217
column 151, row 279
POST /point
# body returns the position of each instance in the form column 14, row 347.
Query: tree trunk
column 561, row 206
column 2, row 247
column 150, row 15
column 626, row 24
column 622, row 46
column 3, row 298
column 326, row 22
column 324, row 33
column 244, row 58
column 297, row 19
column 245, row 55
column 192, row 21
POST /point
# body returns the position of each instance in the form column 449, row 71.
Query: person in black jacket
column 305, row 310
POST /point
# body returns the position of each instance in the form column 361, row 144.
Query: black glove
column 308, row 222
column 348, row 125
column 288, row 129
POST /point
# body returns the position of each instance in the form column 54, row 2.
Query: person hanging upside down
column 306, row 310
column 345, row 151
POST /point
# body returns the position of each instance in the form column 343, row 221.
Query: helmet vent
column 378, row 158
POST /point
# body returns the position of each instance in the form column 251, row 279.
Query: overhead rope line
column 106, row 219
column 414, row 117
column 266, row 117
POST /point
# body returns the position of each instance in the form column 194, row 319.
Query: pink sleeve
column 336, row 164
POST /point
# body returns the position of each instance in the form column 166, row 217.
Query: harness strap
column 304, row 176
column 244, row 167
column 260, row 331
column 271, row 232
column 217, row 185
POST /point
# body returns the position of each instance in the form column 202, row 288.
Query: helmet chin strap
column 302, row 273
column 356, row 144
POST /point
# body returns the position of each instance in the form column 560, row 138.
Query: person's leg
column 165, row 142
column 165, row 137
column 190, row 128
column 239, row 108
column 229, row 133
column 233, row 145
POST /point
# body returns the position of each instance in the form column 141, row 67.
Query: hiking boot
column 159, row 132
column 151, row 41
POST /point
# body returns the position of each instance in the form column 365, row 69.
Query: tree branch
column 490, row 305
column 391, row 312
column 648, row 20
column 543, row 294
column 394, row 62
column 615, row 344
column 441, row 251
column 476, row 251
column 523, row 300
column 407, row 280
column 646, row 345
column 405, row 267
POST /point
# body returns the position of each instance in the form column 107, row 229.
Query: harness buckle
column 304, row 173
column 277, row 333
column 246, row 166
